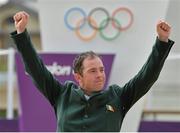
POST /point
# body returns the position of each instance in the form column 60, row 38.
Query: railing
column 151, row 111
column 10, row 53
column 156, row 112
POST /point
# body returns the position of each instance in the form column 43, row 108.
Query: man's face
column 93, row 76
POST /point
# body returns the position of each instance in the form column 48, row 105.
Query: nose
column 99, row 74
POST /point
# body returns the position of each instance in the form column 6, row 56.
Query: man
column 87, row 107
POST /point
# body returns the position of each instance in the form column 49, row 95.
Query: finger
column 165, row 27
column 17, row 16
column 20, row 16
column 159, row 24
column 26, row 15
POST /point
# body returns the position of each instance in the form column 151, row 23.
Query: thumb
column 17, row 17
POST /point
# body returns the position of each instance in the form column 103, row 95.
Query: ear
column 77, row 77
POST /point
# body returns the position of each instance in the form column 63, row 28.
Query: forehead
column 92, row 62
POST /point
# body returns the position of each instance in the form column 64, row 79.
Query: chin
column 99, row 88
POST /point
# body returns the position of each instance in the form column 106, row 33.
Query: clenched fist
column 20, row 21
column 163, row 31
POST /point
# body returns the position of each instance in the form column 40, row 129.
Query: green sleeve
column 34, row 66
column 142, row 82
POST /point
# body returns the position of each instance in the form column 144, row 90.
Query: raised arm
column 142, row 82
column 42, row 78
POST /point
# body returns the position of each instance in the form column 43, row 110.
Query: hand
column 20, row 21
column 163, row 31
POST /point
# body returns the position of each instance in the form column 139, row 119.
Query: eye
column 102, row 70
column 93, row 71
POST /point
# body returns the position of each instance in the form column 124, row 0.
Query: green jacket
column 105, row 110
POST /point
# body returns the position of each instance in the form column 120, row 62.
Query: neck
column 87, row 92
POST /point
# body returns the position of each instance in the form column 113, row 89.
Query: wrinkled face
column 93, row 76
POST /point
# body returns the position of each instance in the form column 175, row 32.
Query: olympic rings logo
column 92, row 20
